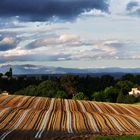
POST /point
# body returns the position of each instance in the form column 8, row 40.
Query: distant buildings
column 5, row 93
column 135, row 92
column 4, row 77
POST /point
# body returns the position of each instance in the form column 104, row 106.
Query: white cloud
column 94, row 13
column 7, row 41
column 133, row 8
column 103, row 49
column 64, row 38
column 16, row 52
column 67, row 38
column 118, row 6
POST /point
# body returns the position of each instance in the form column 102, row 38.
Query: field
column 25, row 118
column 137, row 103
column 125, row 137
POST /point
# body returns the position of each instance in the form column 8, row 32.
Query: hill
column 28, row 69
column 26, row 117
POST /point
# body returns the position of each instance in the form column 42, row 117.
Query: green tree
column 1, row 75
column 68, row 82
column 106, row 81
column 48, row 88
column 137, row 79
column 129, row 99
column 80, row 96
column 61, row 94
column 128, row 77
column 111, row 94
column 9, row 73
column 98, row 96
column 137, row 99
column 120, row 98
column 124, row 86
column 30, row 91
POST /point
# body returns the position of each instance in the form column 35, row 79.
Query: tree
column 68, row 82
column 1, row 75
column 61, row 94
column 128, row 77
column 80, row 96
column 9, row 73
column 48, row 88
column 124, row 86
column 129, row 99
column 120, row 98
column 30, row 91
column 137, row 79
column 106, row 81
column 88, row 85
column 137, row 99
column 111, row 94
column 98, row 96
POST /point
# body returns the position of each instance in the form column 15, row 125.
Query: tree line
column 104, row 88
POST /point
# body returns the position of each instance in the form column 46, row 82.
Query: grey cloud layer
column 64, row 39
column 131, row 5
column 7, row 43
column 63, row 50
column 38, row 10
column 133, row 8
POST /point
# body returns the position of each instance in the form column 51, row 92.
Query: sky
column 70, row 33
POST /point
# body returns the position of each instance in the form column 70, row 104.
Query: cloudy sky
column 70, row 33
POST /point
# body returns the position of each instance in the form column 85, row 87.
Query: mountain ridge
column 39, row 69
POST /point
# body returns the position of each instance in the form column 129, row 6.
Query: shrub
column 80, row 96
column 61, row 94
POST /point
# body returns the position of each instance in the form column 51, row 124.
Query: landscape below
column 30, row 117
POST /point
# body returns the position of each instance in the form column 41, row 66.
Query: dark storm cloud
column 133, row 8
column 40, row 10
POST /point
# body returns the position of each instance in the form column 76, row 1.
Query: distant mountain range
column 37, row 69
